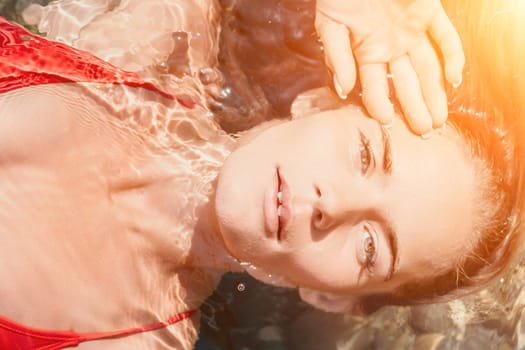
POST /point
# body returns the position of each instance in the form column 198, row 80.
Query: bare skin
column 88, row 229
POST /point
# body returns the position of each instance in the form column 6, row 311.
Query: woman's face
column 361, row 209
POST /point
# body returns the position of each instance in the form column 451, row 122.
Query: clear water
column 246, row 314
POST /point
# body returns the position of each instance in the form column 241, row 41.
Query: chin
column 233, row 228
column 238, row 215
column 239, row 237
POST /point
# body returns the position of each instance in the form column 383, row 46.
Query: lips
column 277, row 209
column 284, row 211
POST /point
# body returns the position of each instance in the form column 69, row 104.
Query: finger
column 408, row 93
column 375, row 90
column 444, row 34
column 338, row 54
column 426, row 64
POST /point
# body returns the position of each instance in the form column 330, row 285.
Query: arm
column 392, row 38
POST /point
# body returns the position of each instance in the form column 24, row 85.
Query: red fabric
column 16, row 336
column 27, row 60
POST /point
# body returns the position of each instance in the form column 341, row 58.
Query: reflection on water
column 258, row 316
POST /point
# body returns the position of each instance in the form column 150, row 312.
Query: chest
column 80, row 231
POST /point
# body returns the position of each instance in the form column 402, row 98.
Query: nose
column 335, row 206
column 325, row 209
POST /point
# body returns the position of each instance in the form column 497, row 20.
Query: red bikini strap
column 147, row 328
column 17, row 336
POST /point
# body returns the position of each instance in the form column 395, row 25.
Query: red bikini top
column 27, row 60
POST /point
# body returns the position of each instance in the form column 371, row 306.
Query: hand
column 392, row 38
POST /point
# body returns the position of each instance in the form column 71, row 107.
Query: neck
column 167, row 194
column 207, row 248
column 173, row 206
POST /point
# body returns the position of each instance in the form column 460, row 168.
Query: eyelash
column 365, row 153
column 370, row 250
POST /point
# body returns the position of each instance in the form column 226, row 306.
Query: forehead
column 429, row 199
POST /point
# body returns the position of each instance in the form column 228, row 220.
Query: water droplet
column 225, row 92
column 248, row 266
column 241, row 287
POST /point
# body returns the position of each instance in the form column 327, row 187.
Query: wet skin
column 364, row 209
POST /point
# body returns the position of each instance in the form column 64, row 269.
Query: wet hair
column 486, row 110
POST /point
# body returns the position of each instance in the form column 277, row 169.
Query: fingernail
column 458, row 83
column 339, row 89
column 442, row 128
column 388, row 125
column 427, row 135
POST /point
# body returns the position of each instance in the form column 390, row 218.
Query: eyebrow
column 387, row 151
column 391, row 238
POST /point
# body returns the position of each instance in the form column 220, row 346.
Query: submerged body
column 88, row 221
